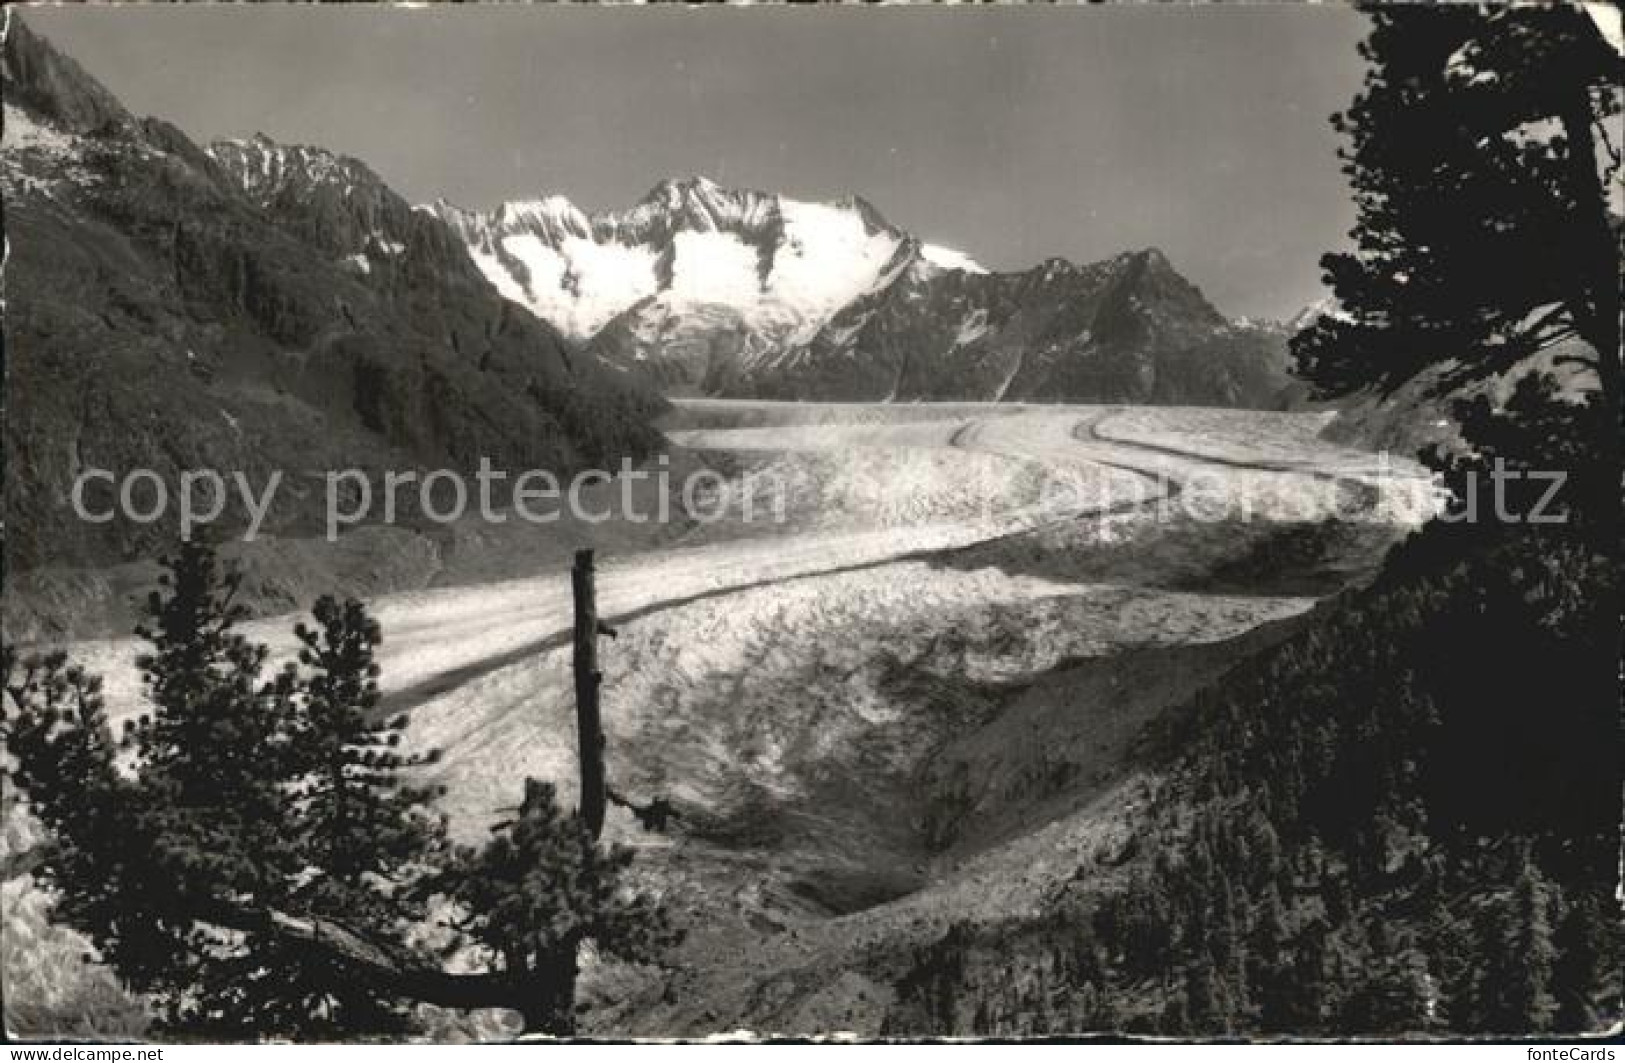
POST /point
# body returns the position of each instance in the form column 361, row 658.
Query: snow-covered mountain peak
column 673, row 190
column 702, row 285
column 547, row 210
column 783, row 264
column 948, row 258
column 693, row 203
column 554, row 218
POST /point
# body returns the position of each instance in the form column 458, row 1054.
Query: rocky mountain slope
column 249, row 308
column 1129, row 329
column 749, row 294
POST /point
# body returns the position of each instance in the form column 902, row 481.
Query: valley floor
column 912, row 701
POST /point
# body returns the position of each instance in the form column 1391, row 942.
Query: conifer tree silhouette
column 254, row 857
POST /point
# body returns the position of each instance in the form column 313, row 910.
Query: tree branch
column 396, row 973
column 1531, row 329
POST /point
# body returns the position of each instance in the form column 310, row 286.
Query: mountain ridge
column 685, row 289
column 784, row 264
column 161, row 316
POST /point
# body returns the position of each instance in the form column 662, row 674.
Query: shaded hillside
column 164, row 313
column 1129, row 329
column 1358, row 832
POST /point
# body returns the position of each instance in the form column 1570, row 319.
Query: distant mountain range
column 262, row 306
column 752, row 294
column 170, row 308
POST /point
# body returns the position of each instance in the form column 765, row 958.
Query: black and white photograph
column 822, row 523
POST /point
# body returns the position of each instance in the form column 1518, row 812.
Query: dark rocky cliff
column 164, row 313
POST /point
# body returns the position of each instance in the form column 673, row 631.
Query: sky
column 1012, row 134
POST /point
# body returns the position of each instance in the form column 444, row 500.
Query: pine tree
column 1388, row 997
column 1205, row 999
column 1271, row 980
column 1093, row 1010
column 1515, row 954
column 1175, row 1018
column 214, row 754
column 356, row 820
column 1415, row 725
column 56, row 732
column 537, row 892
column 1451, row 948
column 1528, row 999
column 213, row 764
column 1483, row 232
column 259, row 869
column 356, row 815
column 1585, row 940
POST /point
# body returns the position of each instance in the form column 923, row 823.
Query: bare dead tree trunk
column 550, row 1004
column 589, row 721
